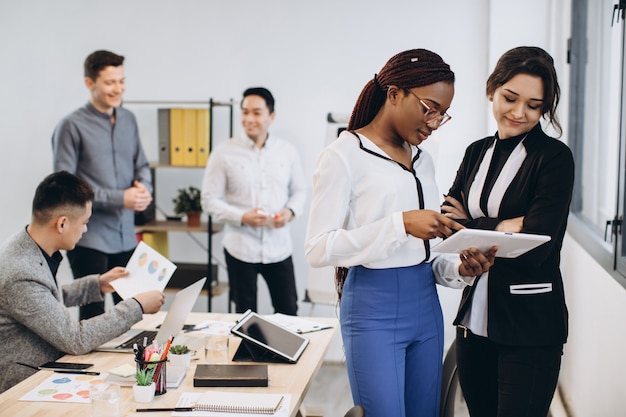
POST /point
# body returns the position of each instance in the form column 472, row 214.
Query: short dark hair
column 98, row 60
column 530, row 60
column 60, row 193
column 262, row 92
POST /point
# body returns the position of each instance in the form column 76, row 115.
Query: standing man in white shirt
column 254, row 185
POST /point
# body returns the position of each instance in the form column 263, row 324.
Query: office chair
column 320, row 288
column 356, row 411
column 449, row 383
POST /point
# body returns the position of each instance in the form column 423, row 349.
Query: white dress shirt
column 476, row 318
column 239, row 177
column 357, row 205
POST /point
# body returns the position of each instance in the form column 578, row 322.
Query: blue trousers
column 392, row 330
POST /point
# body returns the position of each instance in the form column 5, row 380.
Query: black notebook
column 219, row 375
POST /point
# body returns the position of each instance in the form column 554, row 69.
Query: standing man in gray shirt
column 100, row 143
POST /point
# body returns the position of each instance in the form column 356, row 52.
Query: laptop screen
column 173, row 323
column 179, row 310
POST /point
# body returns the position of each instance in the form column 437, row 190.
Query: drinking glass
column 216, row 349
column 105, row 400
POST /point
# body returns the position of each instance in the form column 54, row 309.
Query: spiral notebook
column 234, row 404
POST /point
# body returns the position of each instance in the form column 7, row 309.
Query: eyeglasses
column 433, row 115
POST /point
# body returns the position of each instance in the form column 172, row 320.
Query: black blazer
column 541, row 191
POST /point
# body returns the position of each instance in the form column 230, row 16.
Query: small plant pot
column 144, row 393
column 182, row 361
column 193, row 219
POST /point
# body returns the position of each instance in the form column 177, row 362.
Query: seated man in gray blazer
column 35, row 323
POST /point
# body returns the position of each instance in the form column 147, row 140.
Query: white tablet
column 510, row 245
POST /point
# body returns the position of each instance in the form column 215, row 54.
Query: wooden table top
column 293, row 379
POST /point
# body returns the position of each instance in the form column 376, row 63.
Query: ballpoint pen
column 76, row 372
column 27, row 365
column 145, row 410
column 195, row 329
column 61, row 371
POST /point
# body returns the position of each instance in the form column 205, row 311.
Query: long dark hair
column 534, row 61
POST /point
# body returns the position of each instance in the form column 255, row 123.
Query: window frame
column 609, row 252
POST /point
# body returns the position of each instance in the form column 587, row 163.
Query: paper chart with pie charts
column 148, row 270
column 64, row 388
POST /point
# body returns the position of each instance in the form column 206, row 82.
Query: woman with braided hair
column 374, row 213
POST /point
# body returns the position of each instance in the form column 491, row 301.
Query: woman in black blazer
column 512, row 323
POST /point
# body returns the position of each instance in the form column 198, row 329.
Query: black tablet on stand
column 266, row 341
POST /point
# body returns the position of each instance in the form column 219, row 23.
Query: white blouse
column 358, row 199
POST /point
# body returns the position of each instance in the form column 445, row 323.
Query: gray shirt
column 109, row 157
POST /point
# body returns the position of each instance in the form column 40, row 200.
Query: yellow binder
column 176, row 137
column 202, row 135
column 158, row 241
column 189, row 137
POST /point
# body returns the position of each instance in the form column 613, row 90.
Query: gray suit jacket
column 35, row 324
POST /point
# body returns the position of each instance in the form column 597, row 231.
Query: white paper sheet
column 64, row 388
column 148, row 270
column 297, row 324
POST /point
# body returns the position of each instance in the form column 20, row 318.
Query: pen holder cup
column 159, row 378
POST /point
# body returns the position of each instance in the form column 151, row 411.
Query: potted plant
column 179, row 355
column 188, row 202
column 144, row 388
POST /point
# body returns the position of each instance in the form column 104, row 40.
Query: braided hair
column 408, row 69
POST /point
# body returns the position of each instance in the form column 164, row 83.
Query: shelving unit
column 187, row 273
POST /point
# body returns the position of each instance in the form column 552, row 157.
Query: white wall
column 593, row 368
column 315, row 56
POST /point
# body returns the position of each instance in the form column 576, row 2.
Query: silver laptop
column 172, row 324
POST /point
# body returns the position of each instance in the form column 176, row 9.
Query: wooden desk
column 293, row 379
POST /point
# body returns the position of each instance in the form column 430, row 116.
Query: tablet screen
column 270, row 335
